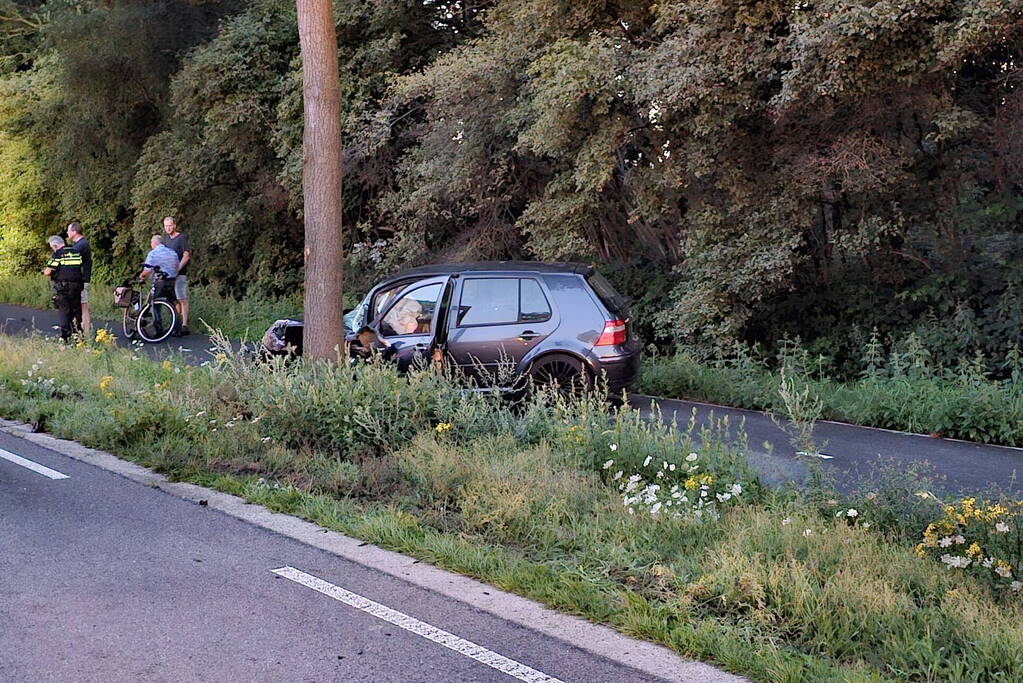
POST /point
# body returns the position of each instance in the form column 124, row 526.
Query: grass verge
column 589, row 509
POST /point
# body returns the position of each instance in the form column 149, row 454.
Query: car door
column 408, row 324
column 495, row 322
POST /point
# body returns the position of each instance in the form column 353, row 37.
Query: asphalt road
column 856, row 452
column 104, row 579
column 18, row 320
column 856, row 455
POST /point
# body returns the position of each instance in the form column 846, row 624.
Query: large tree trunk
column 321, row 179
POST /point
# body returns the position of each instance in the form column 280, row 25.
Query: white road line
column 34, row 466
column 420, row 628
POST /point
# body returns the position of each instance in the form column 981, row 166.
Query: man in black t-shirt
column 81, row 245
column 178, row 241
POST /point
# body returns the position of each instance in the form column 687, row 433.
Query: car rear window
column 616, row 303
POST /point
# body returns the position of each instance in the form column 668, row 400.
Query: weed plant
column 535, row 498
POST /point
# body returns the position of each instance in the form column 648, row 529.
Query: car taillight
column 614, row 333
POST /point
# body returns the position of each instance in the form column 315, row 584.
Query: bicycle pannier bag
column 122, row 296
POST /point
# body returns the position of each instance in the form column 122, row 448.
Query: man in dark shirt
column 65, row 271
column 178, row 241
column 81, row 245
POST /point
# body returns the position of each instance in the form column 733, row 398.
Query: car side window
column 488, row 301
column 500, row 301
column 413, row 313
column 533, row 304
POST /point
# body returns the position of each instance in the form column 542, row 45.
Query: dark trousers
column 67, row 297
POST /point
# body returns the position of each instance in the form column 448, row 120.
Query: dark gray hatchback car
column 497, row 321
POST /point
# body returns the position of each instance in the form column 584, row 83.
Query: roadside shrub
column 982, row 539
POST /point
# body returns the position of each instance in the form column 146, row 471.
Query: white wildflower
column 786, row 521
column 265, row 439
column 723, row 497
column 851, row 512
column 945, row 542
column 959, row 540
column 671, row 467
column 807, row 532
column 607, row 465
column 647, row 461
column 988, row 562
column 655, row 508
column 1003, row 571
column 613, row 447
column 691, row 457
column 736, row 489
column 1015, row 586
column 956, row 561
column 1002, row 528
column 617, row 475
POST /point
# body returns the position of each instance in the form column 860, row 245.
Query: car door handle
column 528, row 335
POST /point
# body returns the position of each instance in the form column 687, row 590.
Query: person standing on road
column 178, row 241
column 81, row 245
column 65, row 271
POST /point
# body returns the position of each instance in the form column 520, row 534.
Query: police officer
column 65, row 271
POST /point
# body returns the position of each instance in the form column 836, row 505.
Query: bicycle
column 154, row 320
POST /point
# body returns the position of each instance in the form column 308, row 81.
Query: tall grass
column 902, row 390
column 768, row 584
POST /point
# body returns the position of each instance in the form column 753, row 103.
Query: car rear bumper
column 619, row 372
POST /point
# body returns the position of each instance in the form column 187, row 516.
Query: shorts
column 85, row 293
column 181, row 288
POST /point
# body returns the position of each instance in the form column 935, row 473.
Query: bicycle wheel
column 156, row 321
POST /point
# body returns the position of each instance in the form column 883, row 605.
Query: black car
column 498, row 321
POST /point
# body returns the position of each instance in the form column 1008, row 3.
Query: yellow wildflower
column 443, row 427
column 920, row 550
column 105, row 381
column 974, row 550
column 167, row 365
column 691, row 483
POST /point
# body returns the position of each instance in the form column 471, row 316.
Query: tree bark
column 321, row 179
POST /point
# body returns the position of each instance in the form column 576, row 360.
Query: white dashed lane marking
column 34, row 466
column 420, row 628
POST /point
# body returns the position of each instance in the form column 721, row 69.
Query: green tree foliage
column 771, row 154
column 746, row 170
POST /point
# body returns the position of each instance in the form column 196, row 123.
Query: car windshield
column 355, row 319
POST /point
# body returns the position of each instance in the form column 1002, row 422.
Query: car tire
column 567, row 373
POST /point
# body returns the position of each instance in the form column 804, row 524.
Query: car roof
column 490, row 267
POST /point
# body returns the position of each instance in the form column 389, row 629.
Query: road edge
column 596, row 639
